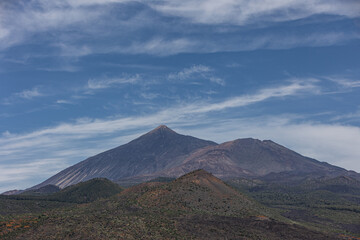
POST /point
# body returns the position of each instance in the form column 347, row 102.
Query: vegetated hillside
column 195, row 206
column 11, row 192
column 16, row 206
column 159, row 149
column 325, row 203
column 199, row 191
column 33, row 202
column 88, row 191
column 45, row 190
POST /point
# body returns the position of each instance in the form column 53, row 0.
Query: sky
column 78, row 77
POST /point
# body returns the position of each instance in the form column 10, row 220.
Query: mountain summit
column 163, row 152
column 159, row 149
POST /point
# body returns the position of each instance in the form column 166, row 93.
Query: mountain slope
column 251, row 157
column 159, row 149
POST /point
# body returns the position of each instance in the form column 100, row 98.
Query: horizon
column 79, row 78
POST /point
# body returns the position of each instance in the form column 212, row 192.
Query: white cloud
column 248, row 42
column 26, row 94
column 196, row 72
column 345, row 82
column 63, row 101
column 73, row 51
column 85, row 128
column 217, row 80
column 109, row 82
column 160, row 46
column 242, row 12
column 75, row 21
column 295, row 88
column 15, row 173
column 29, row 94
column 190, row 72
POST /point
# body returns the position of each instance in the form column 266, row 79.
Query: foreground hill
column 194, row 206
column 196, row 191
column 331, row 204
column 35, row 201
column 165, row 153
column 88, row 191
column 45, row 190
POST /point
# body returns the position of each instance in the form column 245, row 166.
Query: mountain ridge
column 162, row 152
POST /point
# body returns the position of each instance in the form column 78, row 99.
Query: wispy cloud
column 240, row 42
column 197, row 72
column 348, row 118
column 295, row 88
column 345, row 82
column 26, row 94
column 63, row 101
column 85, row 137
column 243, row 12
column 160, row 46
column 190, row 72
column 29, row 94
column 110, row 82
column 85, row 128
column 15, row 173
column 94, row 19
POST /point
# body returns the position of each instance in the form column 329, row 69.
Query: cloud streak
column 110, row 82
column 345, row 82
column 196, row 72
column 26, row 94
column 84, row 128
column 295, row 88
column 31, row 21
column 29, row 94
column 73, row 142
column 243, row 12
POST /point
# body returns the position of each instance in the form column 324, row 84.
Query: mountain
column 165, row 153
column 253, row 158
column 158, row 149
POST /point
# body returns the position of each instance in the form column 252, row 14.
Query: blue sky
column 79, row 77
